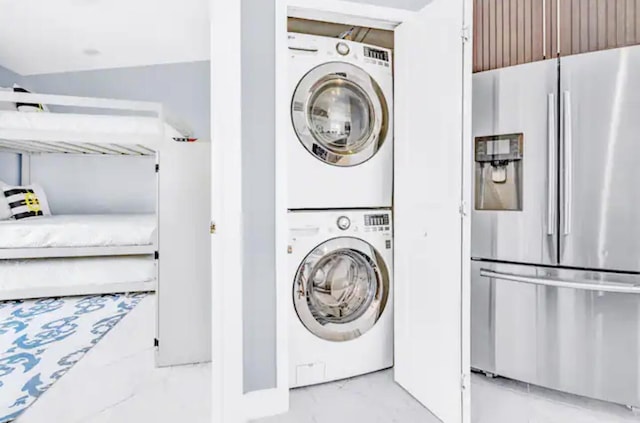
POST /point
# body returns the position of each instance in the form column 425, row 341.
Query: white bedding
column 72, row 122
column 87, row 273
column 79, row 231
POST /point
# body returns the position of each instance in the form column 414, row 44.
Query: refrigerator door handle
column 567, row 162
column 558, row 283
column 551, row 164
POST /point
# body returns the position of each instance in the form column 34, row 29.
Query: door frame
column 229, row 402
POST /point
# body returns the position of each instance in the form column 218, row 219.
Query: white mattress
column 73, row 122
column 84, row 273
column 79, row 231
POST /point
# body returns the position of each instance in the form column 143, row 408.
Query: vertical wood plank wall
column 590, row 25
column 511, row 32
column 508, row 32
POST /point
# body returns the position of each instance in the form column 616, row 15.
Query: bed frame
column 169, row 149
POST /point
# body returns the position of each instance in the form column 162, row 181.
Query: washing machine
column 341, row 309
column 340, row 141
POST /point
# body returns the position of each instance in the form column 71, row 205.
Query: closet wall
column 512, row 32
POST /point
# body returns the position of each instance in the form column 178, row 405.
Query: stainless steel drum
column 339, row 114
column 341, row 289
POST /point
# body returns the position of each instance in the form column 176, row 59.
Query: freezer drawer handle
column 557, row 283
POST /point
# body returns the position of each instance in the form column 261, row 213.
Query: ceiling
column 48, row 36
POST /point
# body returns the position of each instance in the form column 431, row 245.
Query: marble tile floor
column 117, row 382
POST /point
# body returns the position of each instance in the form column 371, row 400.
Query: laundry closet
column 371, row 197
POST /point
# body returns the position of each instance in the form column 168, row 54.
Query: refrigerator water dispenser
column 498, row 172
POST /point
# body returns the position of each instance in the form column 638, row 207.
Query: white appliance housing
column 340, row 142
column 340, row 277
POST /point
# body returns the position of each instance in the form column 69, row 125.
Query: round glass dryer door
column 341, row 289
column 340, row 114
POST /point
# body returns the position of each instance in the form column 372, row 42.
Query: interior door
column 432, row 174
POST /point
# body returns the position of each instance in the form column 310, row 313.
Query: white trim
column 53, row 252
column 77, row 290
column 349, row 13
column 467, row 165
column 280, row 403
column 226, row 204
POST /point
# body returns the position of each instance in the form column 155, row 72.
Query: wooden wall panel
column 551, row 28
column 508, row 32
column 590, row 25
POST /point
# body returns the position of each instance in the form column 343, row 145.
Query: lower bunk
column 60, row 277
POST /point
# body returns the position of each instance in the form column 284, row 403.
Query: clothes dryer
column 340, row 141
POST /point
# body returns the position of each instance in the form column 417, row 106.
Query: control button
column 342, row 49
column 343, row 223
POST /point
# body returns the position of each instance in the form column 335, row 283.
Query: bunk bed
column 65, row 255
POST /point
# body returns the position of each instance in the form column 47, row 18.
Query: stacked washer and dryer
column 340, row 170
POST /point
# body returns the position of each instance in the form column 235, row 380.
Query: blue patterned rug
column 40, row 340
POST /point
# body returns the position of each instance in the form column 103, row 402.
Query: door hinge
column 212, row 228
column 289, row 249
column 157, row 168
column 463, row 209
column 464, row 381
column 156, row 255
column 156, row 342
column 465, row 34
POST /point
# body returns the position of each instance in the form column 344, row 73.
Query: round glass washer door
column 341, row 289
column 339, row 114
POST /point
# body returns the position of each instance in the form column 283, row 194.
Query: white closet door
column 432, row 153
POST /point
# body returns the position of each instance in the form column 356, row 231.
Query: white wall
column 77, row 184
column 8, row 77
column 10, row 168
column 258, row 170
column 183, row 88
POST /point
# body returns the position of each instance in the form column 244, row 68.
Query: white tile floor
column 116, row 382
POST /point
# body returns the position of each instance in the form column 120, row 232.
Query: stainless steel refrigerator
column 556, row 224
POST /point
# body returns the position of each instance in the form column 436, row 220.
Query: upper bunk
column 81, row 125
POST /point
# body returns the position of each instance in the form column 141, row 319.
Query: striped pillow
column 26, row 202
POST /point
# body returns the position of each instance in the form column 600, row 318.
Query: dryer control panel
column 377, row 222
